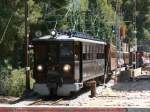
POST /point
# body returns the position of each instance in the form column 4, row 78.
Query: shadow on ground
column 142, row 83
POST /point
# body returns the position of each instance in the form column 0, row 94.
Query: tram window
column 99, row 49
column 92, row 52
column 98, row 56
column 96, row 48
column 87, row 56
column 102, row 47
column 84, row 49
column 87, row 49
column 66, row 52
column 84, row 56
column 52, row 51
column 85, row 46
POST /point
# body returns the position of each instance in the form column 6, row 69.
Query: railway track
column 63, row 101
column 46, row 102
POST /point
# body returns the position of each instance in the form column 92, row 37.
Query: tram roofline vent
column 79, row 35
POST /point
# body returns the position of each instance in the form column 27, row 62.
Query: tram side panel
column 93, row 62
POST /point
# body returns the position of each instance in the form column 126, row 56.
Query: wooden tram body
column 111, row 57
column 114, row 58
column 140, row 57
column 62, row 64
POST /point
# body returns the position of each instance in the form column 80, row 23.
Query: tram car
column 147, row 59
column 111, row 52
column 115, row 59
column 63, row 62
column 142, row 58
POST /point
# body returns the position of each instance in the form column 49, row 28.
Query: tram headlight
column 38, row 33
column 40, row 68
column 53, row 33
column 66, row 67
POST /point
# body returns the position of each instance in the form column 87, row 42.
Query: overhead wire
column 64, row 16
column 5, row 30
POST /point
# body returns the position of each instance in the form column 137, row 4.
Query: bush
column 12, row 82
column 5, row 76
column 17, row 86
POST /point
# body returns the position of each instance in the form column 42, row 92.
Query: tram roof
column 61, row 37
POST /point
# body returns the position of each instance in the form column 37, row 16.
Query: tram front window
column 66, row 52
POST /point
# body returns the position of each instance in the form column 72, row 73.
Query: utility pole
column 26, row 41
column 117, row 27
column 134, row 30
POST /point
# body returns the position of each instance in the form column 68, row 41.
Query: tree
column 142, row 17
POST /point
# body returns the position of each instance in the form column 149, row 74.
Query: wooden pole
column 93, row 88
column 27, row 60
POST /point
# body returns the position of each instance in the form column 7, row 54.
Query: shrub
column 12, row 82
column 5, row 75
column 17, row 83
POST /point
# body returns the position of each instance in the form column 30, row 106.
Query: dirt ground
column 127, row 94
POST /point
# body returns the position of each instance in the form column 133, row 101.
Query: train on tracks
column 65, row 61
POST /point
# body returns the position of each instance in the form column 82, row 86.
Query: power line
column 6, row 28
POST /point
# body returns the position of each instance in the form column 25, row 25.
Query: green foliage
column 106, row 19
column 7, row 9
column 92, row 16
column 5, row 83
column 142, row 17
column 12, row 82
column 17, row 83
